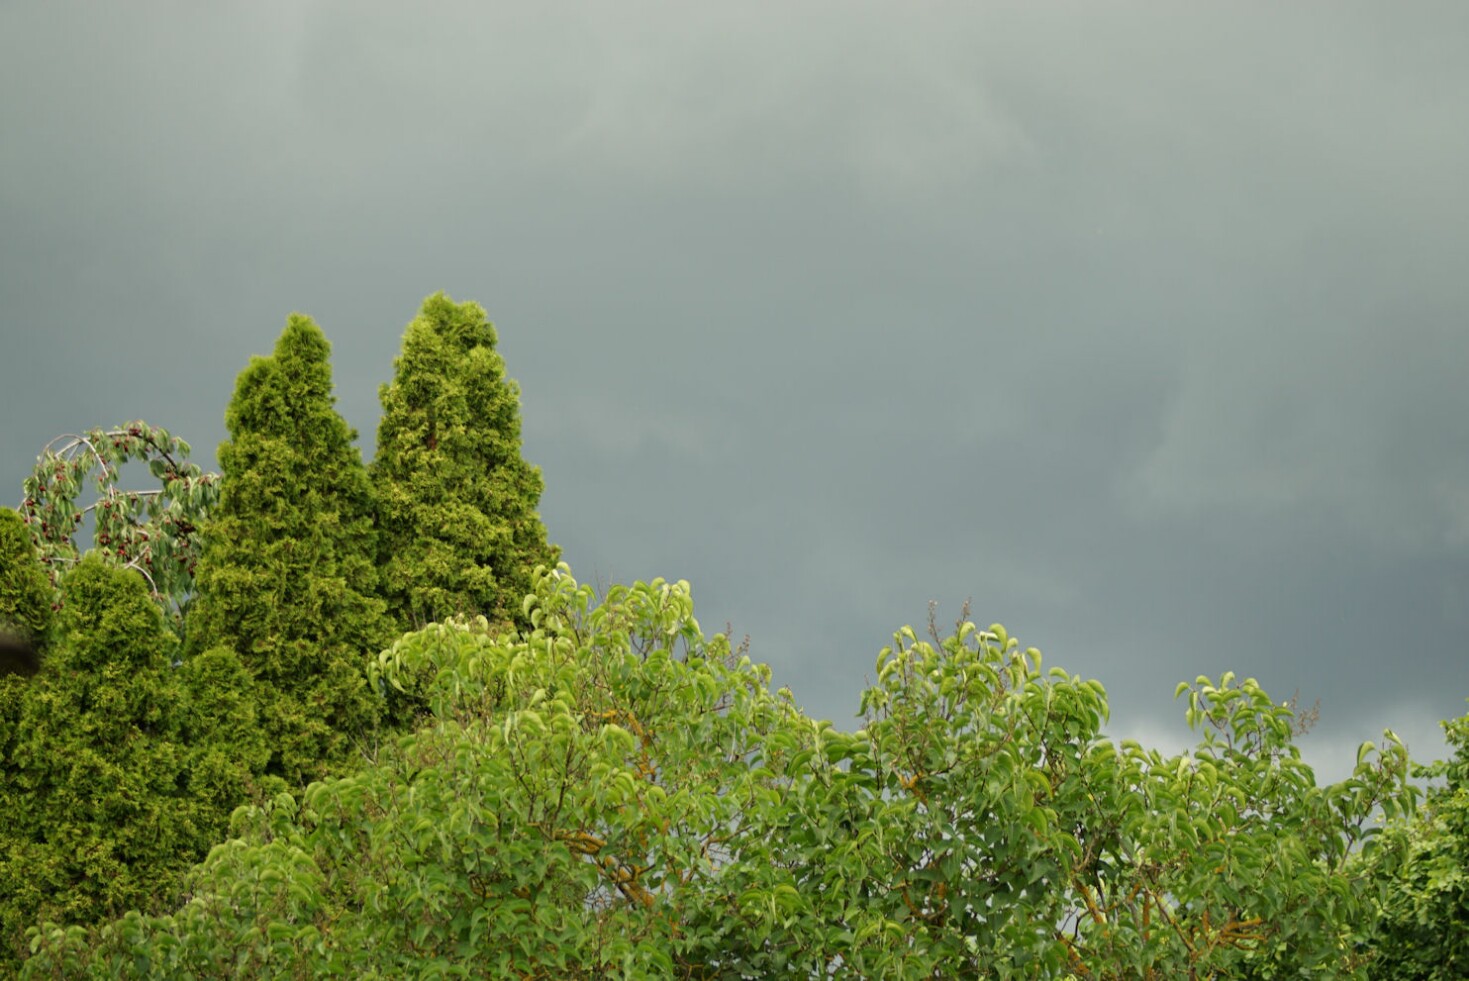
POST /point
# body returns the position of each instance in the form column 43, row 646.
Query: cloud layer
column 1141, row 325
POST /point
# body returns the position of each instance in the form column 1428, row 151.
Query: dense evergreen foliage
column 287, row 579
column 108, row 796
column 460, row 532
column 25, row 596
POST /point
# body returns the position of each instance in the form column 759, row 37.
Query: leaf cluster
column 1421, row 870
column 152, row 531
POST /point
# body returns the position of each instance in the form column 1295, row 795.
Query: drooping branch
column 152, row 530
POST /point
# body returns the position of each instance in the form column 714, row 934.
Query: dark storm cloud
column 1140, row 324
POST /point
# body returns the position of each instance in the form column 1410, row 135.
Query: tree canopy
column 609, row 791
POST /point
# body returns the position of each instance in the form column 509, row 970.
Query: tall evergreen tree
column 25, row 597
column 287, row 578
column 457, row 503
column 99, row 815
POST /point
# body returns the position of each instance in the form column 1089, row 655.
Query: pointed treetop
column 304, row 354
column 276, row 395
column 456, row 501
column 465, row 324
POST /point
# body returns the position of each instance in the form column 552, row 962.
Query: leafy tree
column 980, row 808
column 287, row 577
column 1422, row 928
column 1230, row 861
column 101, row 811
column 25, row 597
column 152, row 531
column 460, row 533
column 607, row 792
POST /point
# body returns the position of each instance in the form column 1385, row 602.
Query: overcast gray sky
column 1143, row 325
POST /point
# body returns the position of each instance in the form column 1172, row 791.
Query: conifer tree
column 287, row 577
column 98, row 813
column 457, row 503
column 25, row 597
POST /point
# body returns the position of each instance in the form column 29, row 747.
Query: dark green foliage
column 219, row 722
column 100, row 812
column 1422, row 931
column 25, row 597
column 287, row 579
column 460, row 532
